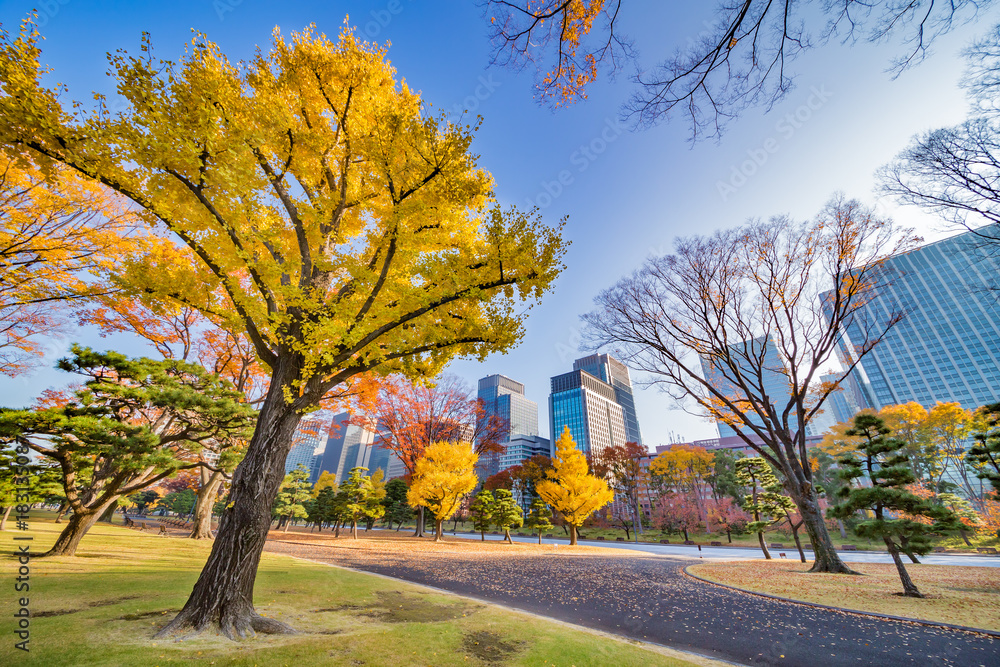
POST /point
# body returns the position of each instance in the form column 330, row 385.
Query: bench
column 599, row 538
column 987, row 550
column 619, row 539
column 716, row 544
column 848, row 547
column 664, row 541
column 939, row 550
column 777, row 545
column 688, row 541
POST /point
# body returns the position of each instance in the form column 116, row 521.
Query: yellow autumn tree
column 909, row 423
column 570, row 488
column 443, row 476
column 317, row 206
column 59, row 235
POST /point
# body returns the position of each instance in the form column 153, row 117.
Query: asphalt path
column 650, row 599
column 745, row 553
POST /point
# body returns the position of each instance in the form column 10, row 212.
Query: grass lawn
column 962, row 595
column 103, row 606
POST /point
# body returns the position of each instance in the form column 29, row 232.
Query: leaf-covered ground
column 967, row 596
column 102, row 607
column 647, row 598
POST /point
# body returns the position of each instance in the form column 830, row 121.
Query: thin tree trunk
column 354, row 528
column 965, row 537
column 209, row 489
column 108, row 515
column 572, row 535
column 223, row 594
column 795, row 536
column 843, row 532
column 905, row 545
column 438, row 530
column 763, row 547
column 539, row 537
column 506, row 535
column 62, row 510
column 287, row 524
column 419, row 532
column 909, row 589
column 6, row 513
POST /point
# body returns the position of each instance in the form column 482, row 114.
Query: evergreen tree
column 506, row 513
column 360, row 499
column 764, row 501
column 881, row 461
column 984, row 456
column 481, row 509
column 294, row 492
column 395, row 502
column 540, row 518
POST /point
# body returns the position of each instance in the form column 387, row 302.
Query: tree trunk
column 965, row 537
column 685, row 531
column 288, row 523
column 75, row 529
column 419, row 532
column 763, row 547
column 795, row 536
column 354, row 528
column 905, row 544
column 62, row 510
column 729, row 536
column 209, row 489
column 572, row 535
column 6, row 513
column 909, row 589
column 108, row 515
column 824, row 553
column 506, row 535
column 539, row 537
column 438, row 530
column 223, row 594
column 843, row 532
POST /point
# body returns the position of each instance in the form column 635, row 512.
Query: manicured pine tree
column 395, row 501
column 294, row 493
column 539, row 518
column 481, row 509
column 570, row 488
column 506, row 513
column 360, row 501
column 764, row 501
column 984, row 455
column 876, row 476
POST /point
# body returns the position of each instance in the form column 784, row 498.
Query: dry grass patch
column 961, row 595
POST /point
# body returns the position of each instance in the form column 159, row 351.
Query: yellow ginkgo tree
column 444, row 475
column 317, row 206
column 570, row 488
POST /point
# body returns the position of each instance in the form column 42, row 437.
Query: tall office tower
column 947, row 347
column 588, row 406
column 843, row 404
column 504, row 398
column 347, row 446
column 775, row 382
column 615, row 373
column 307, row 446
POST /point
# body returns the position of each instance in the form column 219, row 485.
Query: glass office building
column 589, row 407
column 947, row 347
column 504, row 398
column 616, row 374
column 775, row 382
column 307, row 446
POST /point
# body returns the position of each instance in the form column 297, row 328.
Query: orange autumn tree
column 314, row 204
column 59, row 236
column 570, row 489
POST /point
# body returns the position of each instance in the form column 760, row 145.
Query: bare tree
column 740, row 60
column 954, row 172
column 722, row 302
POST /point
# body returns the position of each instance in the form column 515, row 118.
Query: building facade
column 615, row 373
column 504, row 399
column 307, row 446
column 947, row 347
column 589, row 407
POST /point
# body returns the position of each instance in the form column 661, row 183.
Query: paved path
column 745, row 553
column 649, row 598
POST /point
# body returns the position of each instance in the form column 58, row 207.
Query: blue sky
column 627, row 194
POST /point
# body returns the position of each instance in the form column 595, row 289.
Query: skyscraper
column 775, row 382
column 347, row 446
column 615, row 373
column 504, row 398
column 588, row 406
column 307, row 446
column 947, row 347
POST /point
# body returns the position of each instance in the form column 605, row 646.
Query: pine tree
column 481, row 509
column 881, row 461
column 764, row 501
column 539, row 520
column 360, row 500
column 984, row 456
column 570, row 489
column 294, row 493
column 506, row 513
